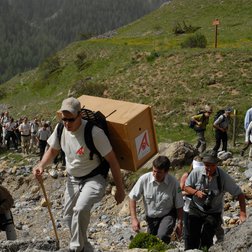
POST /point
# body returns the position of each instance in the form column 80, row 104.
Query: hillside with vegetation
column 33, row 30
column 144, row 62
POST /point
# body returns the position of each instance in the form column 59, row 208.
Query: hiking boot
column 242, row 153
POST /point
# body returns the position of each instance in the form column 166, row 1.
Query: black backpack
column 218, row 114
column 93, row 119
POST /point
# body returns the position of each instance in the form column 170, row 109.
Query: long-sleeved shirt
column 248, row 118
column 248, row 135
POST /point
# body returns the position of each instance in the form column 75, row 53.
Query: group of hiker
column 30, row 135
column 221, row 123
column 200, row 191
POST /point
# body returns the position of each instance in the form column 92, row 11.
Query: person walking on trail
column 247, row 118
column 201, row 121
column 85, row 183
column 162, row 198
column 197, row 162
column 25, row 130
column 6, row 219
column 10, row 134
column 34, row 140
column 42, row 135
column 207, row 185
column 221, row 125
column 248, row 141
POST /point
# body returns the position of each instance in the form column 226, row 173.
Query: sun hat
column 210, row 157
column 228, row 109
column 71, row 105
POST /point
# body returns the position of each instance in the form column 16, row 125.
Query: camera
column 208, row 201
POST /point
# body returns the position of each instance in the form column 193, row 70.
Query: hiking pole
column 40, row 180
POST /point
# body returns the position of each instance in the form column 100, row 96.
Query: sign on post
column 216, row 22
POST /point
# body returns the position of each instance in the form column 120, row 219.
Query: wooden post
column 216, row 22
column 234, row 128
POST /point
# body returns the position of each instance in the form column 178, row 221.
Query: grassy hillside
column 144, row 63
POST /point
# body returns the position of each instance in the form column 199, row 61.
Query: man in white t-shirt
column 25, row 130
column 82, row 190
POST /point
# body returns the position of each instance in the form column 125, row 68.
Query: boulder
column 224, row 155
column 180, row 153
column 238, row 238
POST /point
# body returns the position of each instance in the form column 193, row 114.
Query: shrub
column 177, row 29
column 82, row 61
column 152, row 56
column 180, row 29
column 49, row 66
column 88, row 87
column 148, row 241
column 196, row 40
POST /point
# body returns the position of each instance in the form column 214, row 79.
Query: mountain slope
column 32, row 30
column 144, row 63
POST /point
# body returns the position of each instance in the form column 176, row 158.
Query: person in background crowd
column 221, row 127
column 86, row 181
column 49, row 127
column 5, row 119
column 34, row 131
column 163, row 201
column 201, row 120
column 207, row 186
column 6, row 219
column 25, row 130
column 42, row 135
column 248, row 118
column 17, row 132
column 10, row 133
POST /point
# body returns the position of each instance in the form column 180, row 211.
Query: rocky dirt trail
column 110, row 228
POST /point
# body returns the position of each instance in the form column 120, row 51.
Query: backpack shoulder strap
column 89, row 140
column 220, row 187
column 60, row 130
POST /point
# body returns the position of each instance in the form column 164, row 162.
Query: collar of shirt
column 166, row 180
column 217, row 173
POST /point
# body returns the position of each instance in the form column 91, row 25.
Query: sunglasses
column 70, row 120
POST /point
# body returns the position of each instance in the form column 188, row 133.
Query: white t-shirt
column 187, row 200
column 25, row 129
column 78, row 163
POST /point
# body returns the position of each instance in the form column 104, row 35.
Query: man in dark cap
column 207, row 185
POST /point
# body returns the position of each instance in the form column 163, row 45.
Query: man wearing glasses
column 207, row 185
column 82, row 190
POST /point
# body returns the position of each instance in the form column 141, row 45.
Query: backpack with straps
column 93, row 119
column 218, row 114
column 192, row 123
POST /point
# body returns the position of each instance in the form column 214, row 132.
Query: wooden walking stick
column 40, row 180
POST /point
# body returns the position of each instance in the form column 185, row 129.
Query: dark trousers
column 42, row 146
column 202, row 228
column 186, row 229
column 10, row 135
column 162, row 227
column 220, row 137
